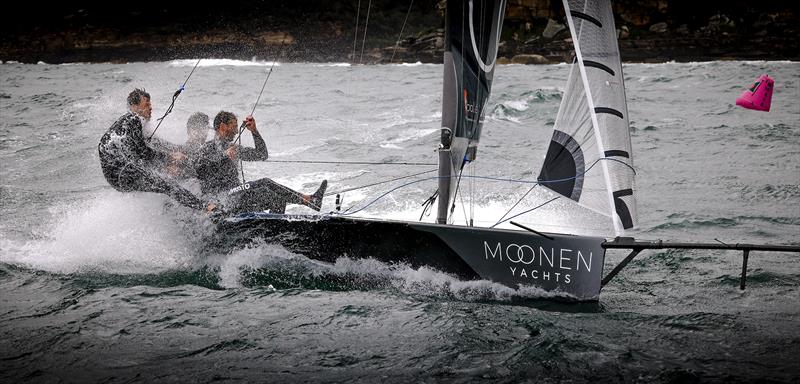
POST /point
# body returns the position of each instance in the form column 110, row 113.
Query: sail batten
column 598, row 65
column 594, row 109
column 586, row 17
column 610, row 111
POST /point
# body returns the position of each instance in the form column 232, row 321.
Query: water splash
column 111, row 232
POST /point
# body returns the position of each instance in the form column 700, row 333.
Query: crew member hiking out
column 215, row 167
column 197, row 128
column 129, row 163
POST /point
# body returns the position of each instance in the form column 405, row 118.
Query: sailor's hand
column 231, row 152
column 211, row 207
column 250, row 123
column 173, row 170
column 177, row 157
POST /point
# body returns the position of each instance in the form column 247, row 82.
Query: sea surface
column 100, row 286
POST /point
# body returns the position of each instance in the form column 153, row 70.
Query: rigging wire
column 238, row 138
column 355, row 34
column 472, row 194
column 347, row 162
column 401, row 32
column 534, row 182
column 458, row 185
column 515, row 204
column 174, row 98
column 366, row 24
column 379, row 182
column 428, row 204
column 524, row 212
column 464, row 208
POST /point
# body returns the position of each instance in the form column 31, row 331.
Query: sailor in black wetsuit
column 129, row 164
column 197, row 128
column 217, row 171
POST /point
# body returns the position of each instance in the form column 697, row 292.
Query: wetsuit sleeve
column 164, row 146
column 212, row 168
column 138, row 145
column 185, row 168
column 259, row 153
column 205, row 162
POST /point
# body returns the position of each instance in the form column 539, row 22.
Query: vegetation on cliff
column 317, row 30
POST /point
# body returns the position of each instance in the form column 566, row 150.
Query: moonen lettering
column 555, row 258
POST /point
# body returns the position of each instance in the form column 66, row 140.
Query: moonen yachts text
column 554, row 263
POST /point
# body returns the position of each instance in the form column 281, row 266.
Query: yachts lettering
column 535, row 274
column 526, row 255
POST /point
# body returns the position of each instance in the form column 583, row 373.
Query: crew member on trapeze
column 215, row 167
column 197, row 128
column 130, row 164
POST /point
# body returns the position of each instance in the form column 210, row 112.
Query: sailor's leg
column 289, row 196
column 255, row 199
column 278, row 191
column 132, row 179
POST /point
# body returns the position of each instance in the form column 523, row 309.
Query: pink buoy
column 759, row 96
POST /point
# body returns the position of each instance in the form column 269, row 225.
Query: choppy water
column 104, row 286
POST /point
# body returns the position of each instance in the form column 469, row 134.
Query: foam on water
column 221, row 63
column 105, row 274
column 406, row 136
column 333, row 65
column 257, row 264
column 416, row 64
column 112, row 233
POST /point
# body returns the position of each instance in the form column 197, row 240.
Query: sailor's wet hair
column 223, row 117
column 197, row 121
column 135, row 97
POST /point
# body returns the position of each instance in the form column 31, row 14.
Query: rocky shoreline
column 649, row 31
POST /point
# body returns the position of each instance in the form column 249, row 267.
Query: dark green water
column 100, row 286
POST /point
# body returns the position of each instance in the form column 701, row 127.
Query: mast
column 472, row 34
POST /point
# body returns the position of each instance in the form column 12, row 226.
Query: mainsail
column 472, row 32
column 589, row 159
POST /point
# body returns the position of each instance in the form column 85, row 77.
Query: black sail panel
column 472, row 34
column 563, row 167
column 471, row 38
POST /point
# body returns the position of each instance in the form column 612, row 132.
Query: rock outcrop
column 313, row 30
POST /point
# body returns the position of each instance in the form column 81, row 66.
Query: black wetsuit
column 219, row 177
column 129, row 164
